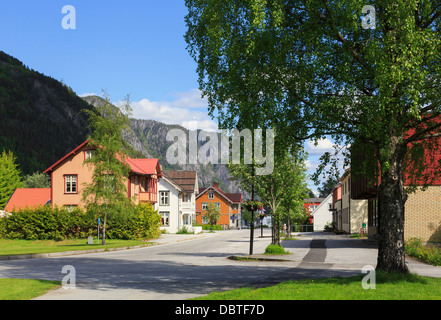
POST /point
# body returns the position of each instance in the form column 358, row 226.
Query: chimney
column 216, row 184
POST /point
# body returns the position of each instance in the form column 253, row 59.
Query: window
column 145, row 185
column 136, row 185
column 211, row 195
column 165, row 218
column 187, row 197
column 70, row 207
column 164, row 198
column 70, row 184
column 186, row 219
column 89, row 154
column 204, row 206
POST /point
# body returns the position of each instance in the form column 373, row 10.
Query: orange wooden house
column 229, row 203
column 70, row 173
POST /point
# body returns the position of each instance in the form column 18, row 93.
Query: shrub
column 143, row 223
column 46, row 223
column 426, row 253
column 208, row 227
column 275, row 250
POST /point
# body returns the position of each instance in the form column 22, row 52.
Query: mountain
column 42, row 119
column 148, row 137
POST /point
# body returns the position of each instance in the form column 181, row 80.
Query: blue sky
column 133, row 47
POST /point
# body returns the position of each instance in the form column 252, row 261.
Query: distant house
column 70, row 173
column 322, row 215
column 311, row 204
column 177, row 192
column 354, row 211
column 229, row 204
column 28, row 198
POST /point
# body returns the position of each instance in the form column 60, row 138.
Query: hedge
column 46, row 223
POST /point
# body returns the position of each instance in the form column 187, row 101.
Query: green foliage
column 274, row 249
column 426, row 253
column 37, row 180
column 143, row 224
column 211, row 228
column 212, row 214
column 40, row 118
column 46, row 223
column 106, row 194
column 9, row 177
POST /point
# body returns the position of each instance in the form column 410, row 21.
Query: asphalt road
column 182, row 267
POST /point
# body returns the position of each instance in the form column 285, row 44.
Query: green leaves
column 9, row 177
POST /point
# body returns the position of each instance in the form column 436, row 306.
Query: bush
column 275, row 250
column 208, row 227
column 46, row 223
column 426, row 253
column 144, row 223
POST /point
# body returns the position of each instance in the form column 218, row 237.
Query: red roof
column 232, row 197
column 144, row 166
column 140, row 166
column 23, row 198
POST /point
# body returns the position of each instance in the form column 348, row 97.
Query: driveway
column 182, row 267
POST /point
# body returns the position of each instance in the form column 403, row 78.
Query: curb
column 256, row 258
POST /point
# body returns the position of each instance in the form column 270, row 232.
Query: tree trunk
column 391, row 205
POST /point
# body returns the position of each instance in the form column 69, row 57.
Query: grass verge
column 388, row 287
column 24, row 247
column 25, row 289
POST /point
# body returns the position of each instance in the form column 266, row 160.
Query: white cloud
column 188, row 107
column 323, row 145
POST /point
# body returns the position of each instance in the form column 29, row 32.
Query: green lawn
column 25, row 289
column 23, row 247
column 388, row 287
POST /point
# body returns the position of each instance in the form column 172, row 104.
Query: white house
column 322, row 215
column 177, row 192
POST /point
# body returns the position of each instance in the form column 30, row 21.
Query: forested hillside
column 40, row 118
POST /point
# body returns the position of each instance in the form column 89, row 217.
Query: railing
column 302, row 228
column 187, row 206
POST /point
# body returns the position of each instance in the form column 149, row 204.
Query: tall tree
column 366, row 75
column 285, row 184
column 9, row 177
column 107, row 193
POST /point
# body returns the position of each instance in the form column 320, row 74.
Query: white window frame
column 165, row 218
column 164, row 195
column 70, row 183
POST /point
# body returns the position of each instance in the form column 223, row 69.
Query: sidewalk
column 337, row 252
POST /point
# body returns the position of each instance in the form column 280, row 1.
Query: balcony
column 187, row 206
